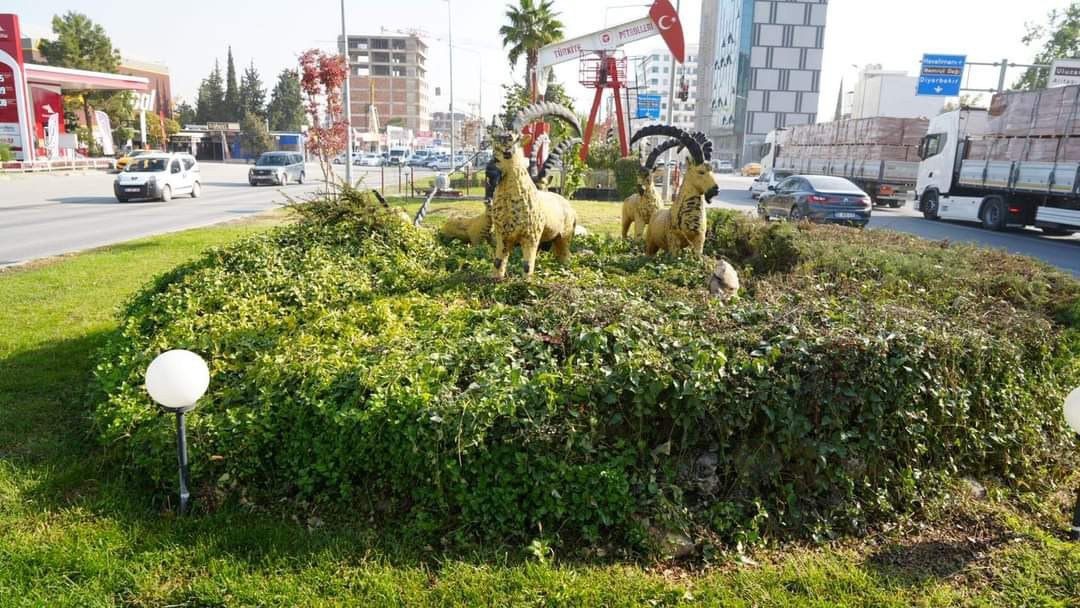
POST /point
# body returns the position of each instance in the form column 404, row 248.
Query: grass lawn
column 75, row 531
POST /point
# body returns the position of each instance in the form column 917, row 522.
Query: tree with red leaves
column 321, row 79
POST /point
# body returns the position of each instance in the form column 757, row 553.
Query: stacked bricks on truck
column 1018, row 166
column 879, row 154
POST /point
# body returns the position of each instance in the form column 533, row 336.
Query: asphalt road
column 1061, row 252
column 47, row 215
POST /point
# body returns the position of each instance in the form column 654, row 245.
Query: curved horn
column 706, row 145
column 556, row 155
column 650, row 163
column 546, row 108
column 685, row 139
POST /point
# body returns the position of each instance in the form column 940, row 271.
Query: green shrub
column 626, row 172
column 356, row 361
column 6, row 154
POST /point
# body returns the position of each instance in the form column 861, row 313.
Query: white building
column 654, row 76
column 881, row 92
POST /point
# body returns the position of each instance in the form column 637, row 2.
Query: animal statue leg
column 674, row 242
column 627, row 219
column 528, row 252
column 639, row 227
column 562, row 248
column 699, row 244
column 502, row 257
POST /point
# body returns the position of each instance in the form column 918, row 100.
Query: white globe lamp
column 176, row 380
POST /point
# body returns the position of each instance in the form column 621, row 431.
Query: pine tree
column 286, row 109
column 210, row 105
column 232, row 92
column 252, row 93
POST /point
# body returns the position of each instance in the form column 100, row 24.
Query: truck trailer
column 1016, row 164
column 880, row 155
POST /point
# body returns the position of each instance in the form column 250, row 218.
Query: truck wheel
column 930, row 205
column 993, row 214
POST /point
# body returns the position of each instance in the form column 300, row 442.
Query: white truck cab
column 941, row 151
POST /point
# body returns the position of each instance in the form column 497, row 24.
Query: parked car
column 158, row 176
column 818, row 198
column 751, row 170
column 438, row 159
column 278, row 168
column 368, row 160
column 767, row 181
column 723, row 166
column 399, row 156
column 420, row 158
column 125, row 160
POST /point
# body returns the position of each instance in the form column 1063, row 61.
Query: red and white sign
column 14, row 106
column 663, row 20
column 666, row 19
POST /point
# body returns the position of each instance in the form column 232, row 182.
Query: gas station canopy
column 83, row 80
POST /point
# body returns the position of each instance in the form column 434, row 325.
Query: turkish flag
column 667, row 21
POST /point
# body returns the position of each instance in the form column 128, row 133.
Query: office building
column 881, row 92
column 389, row 72
column 654, row 78
column 760, row 70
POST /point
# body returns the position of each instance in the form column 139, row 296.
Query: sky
column 272, row 33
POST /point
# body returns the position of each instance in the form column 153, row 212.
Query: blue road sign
column 941, row 74
column 648, row 106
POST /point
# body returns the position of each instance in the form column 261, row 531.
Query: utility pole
column 670, row 118
column 348, row 100
column 450, row 25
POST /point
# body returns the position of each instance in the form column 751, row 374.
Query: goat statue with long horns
column 683, row 225
column 522, row 214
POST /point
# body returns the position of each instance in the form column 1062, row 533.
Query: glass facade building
column 760, row 65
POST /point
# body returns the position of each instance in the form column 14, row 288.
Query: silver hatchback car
column 278, row 168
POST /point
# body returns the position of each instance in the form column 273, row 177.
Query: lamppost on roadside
column 1072, row 417
column 176, row 380
column 450, row 25
column 348, row 99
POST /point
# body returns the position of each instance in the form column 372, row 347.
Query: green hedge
column 626, row 173
column 358, row 362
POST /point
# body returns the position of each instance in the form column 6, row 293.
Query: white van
column 158, row 176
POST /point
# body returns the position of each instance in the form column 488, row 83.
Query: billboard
column 14, row 106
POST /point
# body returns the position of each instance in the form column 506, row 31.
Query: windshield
column 397, row 152
column 272, row 160
column 832, row 184
column 146, row 165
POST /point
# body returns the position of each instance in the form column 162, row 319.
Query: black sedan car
column 817, row 198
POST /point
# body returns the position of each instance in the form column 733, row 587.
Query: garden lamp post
column 1072, row 416
column 176, row 380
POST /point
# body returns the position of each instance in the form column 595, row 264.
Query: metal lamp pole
column 670, row 117
column 348, row 100
column 182, row 457
column 450, row 25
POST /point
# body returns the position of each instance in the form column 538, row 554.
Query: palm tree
column 532, row 25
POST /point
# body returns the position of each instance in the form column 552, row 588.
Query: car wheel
column 762, row 213
column 166, row 194
column 993, row 214
column 121, row 199
column 252, row 183
column 196, row 190
column 284, row 179
column 930, row 203
column 301, row 180
column 795, row 214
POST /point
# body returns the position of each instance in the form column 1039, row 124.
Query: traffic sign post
column 940, row 75
column 648, row 106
